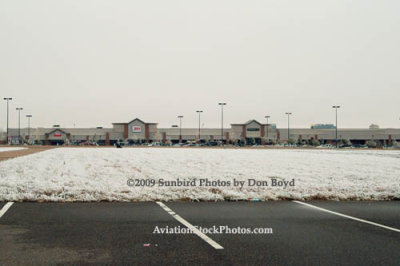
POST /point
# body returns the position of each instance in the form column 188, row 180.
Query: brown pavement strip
column 29, row 150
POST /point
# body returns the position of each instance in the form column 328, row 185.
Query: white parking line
column 349, row 217
column 190, row 226
column 5, row 208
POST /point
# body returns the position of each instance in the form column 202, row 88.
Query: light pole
column 288, row 125
column 29, row 127
column 7, row 99
column 19, row 109
column 336, row 107
column 180, row 128
column 267, row 117
column 222, row 121
column 199, row 112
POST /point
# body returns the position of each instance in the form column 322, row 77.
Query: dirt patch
column 29, row 150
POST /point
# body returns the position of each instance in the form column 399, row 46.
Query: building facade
column 251, row 132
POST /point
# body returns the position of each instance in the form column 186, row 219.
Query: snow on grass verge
column 3, row 149
column 83, row 174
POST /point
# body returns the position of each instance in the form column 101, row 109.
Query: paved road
column 115, row 233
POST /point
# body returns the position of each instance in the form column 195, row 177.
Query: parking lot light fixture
column 336, row 107
column 7, row 136
column 19, row 109
column 222, row 122
column 288, row 125
column 199, row 112
column 180, row 128
column 29, row 127
column 267, row 117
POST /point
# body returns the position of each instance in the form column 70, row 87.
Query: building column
column 69, row 138
column 126, row 132
column 107, row 143
column 226, row 137
column 146, row 133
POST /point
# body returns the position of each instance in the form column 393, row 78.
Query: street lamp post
column 336, row 107
column 19, row 109
column 267, row 117
column 180, row 128
column 29, row 127
column 222, row 122
column 288, row 125
column 7, row 99
column 199, row 112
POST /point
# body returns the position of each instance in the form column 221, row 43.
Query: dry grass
column 30, row 150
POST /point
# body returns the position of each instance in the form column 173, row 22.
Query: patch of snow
column 95, row 174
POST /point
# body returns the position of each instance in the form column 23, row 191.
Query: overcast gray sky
column 96, row 62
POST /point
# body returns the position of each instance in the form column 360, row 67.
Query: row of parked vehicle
column 219, row 143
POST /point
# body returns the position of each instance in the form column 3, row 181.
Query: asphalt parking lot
column 122, row 233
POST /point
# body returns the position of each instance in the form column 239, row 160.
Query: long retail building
column 139, row 131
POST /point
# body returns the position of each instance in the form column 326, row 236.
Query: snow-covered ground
column 93, row 174
column 2, row 149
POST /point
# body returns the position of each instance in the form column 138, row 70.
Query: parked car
column 212, row 143
column 360, row 146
